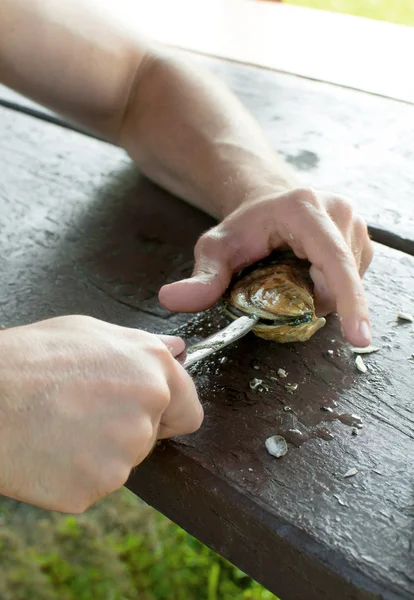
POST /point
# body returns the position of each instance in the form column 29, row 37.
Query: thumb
column 211, row 277
column 174, row 344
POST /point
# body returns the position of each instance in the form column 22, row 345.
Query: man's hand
column 81, row 403
column 320, row 227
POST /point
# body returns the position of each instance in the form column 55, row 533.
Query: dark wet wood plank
column 342, row 140
column 68, row 195
column 82, row 232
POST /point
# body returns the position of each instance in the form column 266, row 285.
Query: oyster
column 279, row 292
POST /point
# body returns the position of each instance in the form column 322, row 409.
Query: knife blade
column 220, row 339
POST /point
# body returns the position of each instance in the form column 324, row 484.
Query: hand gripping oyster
column 279, row 292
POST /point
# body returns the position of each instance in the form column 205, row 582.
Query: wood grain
column 81, row 232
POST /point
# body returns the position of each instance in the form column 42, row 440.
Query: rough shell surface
column 279, row 294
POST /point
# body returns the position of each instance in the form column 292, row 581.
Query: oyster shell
column 279, row 292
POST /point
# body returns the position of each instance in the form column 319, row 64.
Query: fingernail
column 365, row 332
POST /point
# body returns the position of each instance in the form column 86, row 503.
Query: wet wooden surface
column 346, row 141
column 81, row 232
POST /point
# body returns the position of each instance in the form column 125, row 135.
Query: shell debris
column 291, row 387
column 276, row 445
column 366, row 350
column 282, row 373
column 360, row 365
column 403, row 316
column 340, row 501
column 258, row 385
column 351, row 473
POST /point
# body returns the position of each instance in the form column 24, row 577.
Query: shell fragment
column 258, row 385
column 291, row 387
column 366, row 350
column 276, row 445
column 402, row 316
column 351, row 473
column 360, row 365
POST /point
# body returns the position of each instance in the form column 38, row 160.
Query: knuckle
column 159, row 395
column 139, row 432
column 343, row 209
column 143, row 442
column 119, row 477
column 216, row 238
column 305, row 198
column 364, row 241
column 112, row 477
column 341, row 256
column 369, row 251
column 194, row 410
column 160, row 350
column 196, row 419
column 185, row 402
column 368, row 255
column 360, row 226
column 208, row 240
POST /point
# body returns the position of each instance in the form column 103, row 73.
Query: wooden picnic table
column 83, row 232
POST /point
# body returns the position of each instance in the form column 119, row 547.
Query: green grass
column 120, row 549
column 396, row 11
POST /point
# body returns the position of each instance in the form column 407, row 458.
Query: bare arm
column 72, row 58
column 188, row 133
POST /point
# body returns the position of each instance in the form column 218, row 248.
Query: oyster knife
column 220, row 339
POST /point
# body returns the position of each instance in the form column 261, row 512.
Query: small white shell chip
column 291, row 387
column 366, row 350
column 402, row 316
column 255, row 383
column 276, row 446
column 351, row 473
column 360, row 365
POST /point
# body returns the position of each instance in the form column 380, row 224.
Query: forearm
column 71, row 57
column 186, row 131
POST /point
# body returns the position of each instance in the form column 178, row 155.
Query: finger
column 327, row 250
column 211, row 276
column 353, row 228
column 220, row 253
column 184, row 413
column 354, row 231
column 324, row 301
column 362, row 245
column 174, row 344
